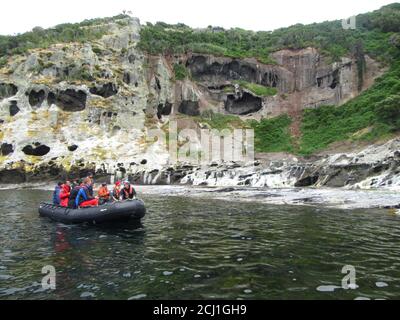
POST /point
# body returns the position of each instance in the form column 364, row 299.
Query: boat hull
column 110, row 212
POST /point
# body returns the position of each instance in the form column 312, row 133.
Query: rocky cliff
column 73, row 108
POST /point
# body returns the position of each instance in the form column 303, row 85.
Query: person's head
column 68, row 183
column 118, row 184
column 87, row 181
column 104, row 185
column 59, row 184
column 127, row 184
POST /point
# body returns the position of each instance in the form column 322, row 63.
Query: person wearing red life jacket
column 65, row 193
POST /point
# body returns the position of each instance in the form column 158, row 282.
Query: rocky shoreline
column 374, row 167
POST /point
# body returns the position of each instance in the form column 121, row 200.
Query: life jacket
column 116, row 193
column 103, row 192
column 128, row 194
column 64, row 195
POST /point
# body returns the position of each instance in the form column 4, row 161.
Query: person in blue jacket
column 56, row 194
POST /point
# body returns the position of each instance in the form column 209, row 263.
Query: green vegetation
column 273, row 135
column 221, row 121
column 374, row 31
column 377, row 108
column 181, row 72
column 69, row 32
column 257, row 89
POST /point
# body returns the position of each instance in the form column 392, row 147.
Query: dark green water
column 193, row 249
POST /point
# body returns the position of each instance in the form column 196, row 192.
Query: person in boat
column 74, row 193
column 90, row 185
column 128, row 192
column 56, row 194
column 83, row 198
column 65, row 193
column 104, row 194
column 116, row 193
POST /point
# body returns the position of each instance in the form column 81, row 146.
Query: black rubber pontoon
column 109, row 212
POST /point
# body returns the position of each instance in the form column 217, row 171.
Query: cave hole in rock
column 6, row 149
column 335, row 80
column 51, row 98
column 106, row 90
column 190, row 108
column 131, row 58
column 14, row 108
column 158, row 85
column 7, row 90
column 307, row 182
column 71, row 100
column 127, row 78
column 36, row 98
column 37, row 151
column 248, row 73
column 244, row 105
column 73, row 148
column 164, row 110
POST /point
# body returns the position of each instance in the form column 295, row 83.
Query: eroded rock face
column 106, row 90
column 7, row 90
column 71, row 100
column 12, row 176
column 216, row 71
column 190, row 108
column 243, row 105
column 38, row 150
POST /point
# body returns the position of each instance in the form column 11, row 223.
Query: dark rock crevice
column 71, row 100
column 37, row 150
column 106, row 90
column 6, row 149
column 164, row 109
column 14, row 109
column 36, row 98
column 243, row 105
column 190, row 108
column 7, row 90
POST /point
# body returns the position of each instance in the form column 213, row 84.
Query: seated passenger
column 56, row 194
column 128, row 192
column 65, row 193
column 84, row 199
column 116, row 191
column 104, row 194
column 74, row 194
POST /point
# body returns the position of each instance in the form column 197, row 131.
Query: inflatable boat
column 109, row 212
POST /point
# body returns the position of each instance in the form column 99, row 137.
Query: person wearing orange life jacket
column 128, row 192
column 65, row 193
column 103, row 193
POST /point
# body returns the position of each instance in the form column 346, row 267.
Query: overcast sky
column 18, row 16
